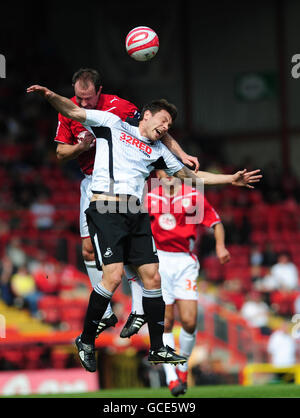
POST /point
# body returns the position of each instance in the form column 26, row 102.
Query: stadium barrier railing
column 251, row 370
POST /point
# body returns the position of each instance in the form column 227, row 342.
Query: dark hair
column 157, row 105
column 285, row 253
column 87, row 75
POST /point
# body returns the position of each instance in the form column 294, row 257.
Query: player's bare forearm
column 67, row 152
column 219, row 233
column 62, row 104
column 67, row 108
column 208, row 178
column 176, row 149
column 221, row 251
column 241, row 178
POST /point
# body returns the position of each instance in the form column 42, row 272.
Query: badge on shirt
column 167, row 221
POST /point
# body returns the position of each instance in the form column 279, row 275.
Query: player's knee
column 151, row 280
column 168, row 325
column 115, row 279
column 189, row 325
column 156, row 281
column 112, row 277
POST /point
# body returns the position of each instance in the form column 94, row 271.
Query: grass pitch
column 218, row 391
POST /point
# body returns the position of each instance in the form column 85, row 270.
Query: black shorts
column 121, row 237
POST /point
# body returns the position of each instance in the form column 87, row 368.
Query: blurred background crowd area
column 41, row 267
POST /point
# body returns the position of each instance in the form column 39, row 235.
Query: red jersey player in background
column 169, row 206
column 75, row 142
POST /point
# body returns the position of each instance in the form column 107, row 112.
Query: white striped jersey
column 124, row 158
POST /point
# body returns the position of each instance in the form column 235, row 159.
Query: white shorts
column 85, row 197
column 179, row 273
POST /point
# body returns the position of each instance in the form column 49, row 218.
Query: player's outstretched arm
column 241, row 178
column 62, row 104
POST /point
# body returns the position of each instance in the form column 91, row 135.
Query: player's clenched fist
column 223, row 254
column 86, row 139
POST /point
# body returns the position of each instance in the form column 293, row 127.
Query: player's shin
column 154, row 308
column 186, row 343
column 95, row 277
column 136, row 287
column 94, row 274
column 170, row 371
column 99, row 299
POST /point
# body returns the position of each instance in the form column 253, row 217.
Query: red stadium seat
column 296, row 261
column 72, row 313
column 214, row 198
column 283, row 302
column 235, row 298
column 258, row 237
column 257, row 223
column 33, row 357
column 256, row 197
column 238, row 214
column 59, row 359
column 50, row 308
column 13, row 357
column 241, row 260
column 49, row 302
column 238, row 250
column 279, row 246
column 274, row 235
column 213, row 269
column 273, row 217
column 239, row 273
column 289, row 236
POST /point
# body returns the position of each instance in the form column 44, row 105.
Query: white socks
column 94, row 274
column 170, row 370
column 186, row 344
column 136, row 287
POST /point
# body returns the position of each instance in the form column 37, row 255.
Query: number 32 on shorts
column 190, row 285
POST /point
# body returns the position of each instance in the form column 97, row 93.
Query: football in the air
column 142, row 43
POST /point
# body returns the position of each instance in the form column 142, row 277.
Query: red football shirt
column 68, row 129
column 169, row 216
